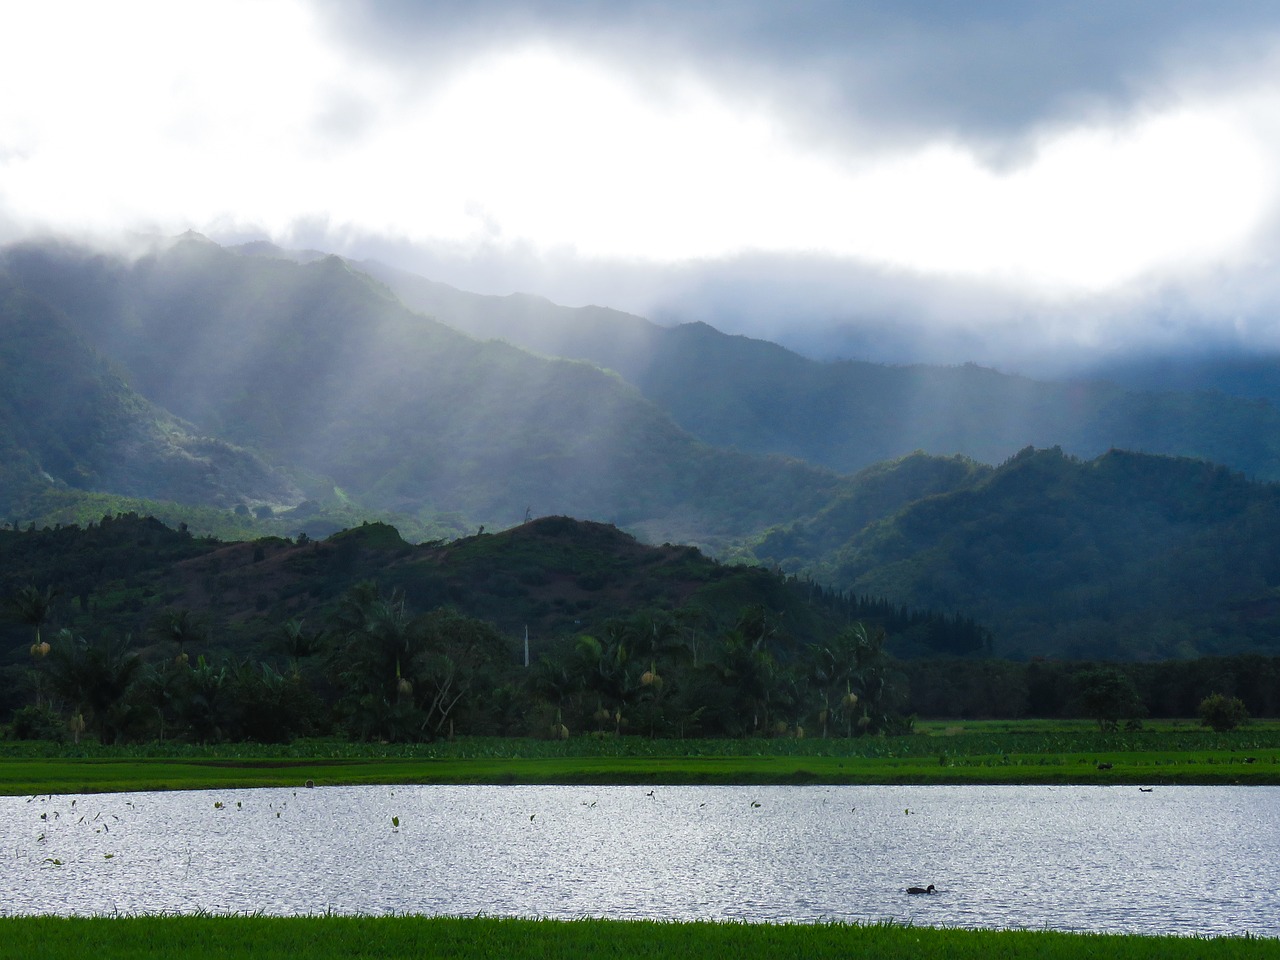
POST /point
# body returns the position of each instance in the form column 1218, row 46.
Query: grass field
column 322, row 938
column 1021, row 752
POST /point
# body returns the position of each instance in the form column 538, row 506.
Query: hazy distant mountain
column 618, row 341
column 324, row 371
column 1248, row 376
column 756, row 396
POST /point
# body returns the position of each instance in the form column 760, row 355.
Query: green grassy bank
column 18, row 777
column 320, row 938
column 1029, row 753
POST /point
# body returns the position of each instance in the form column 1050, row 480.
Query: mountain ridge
column 755, row 395
column 1127, row 555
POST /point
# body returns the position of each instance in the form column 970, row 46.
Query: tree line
column 1114, row 694
column 374, row 669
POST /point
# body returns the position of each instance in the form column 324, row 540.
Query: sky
column 1029, row 185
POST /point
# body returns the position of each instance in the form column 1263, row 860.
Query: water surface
column 1175, row 860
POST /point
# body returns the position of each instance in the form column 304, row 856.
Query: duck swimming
column 928, row 889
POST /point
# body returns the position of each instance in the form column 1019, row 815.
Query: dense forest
column 137, row 631
column 132, row 631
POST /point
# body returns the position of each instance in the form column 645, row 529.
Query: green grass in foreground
column 321, row 938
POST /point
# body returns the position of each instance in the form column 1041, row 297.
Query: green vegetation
column 153, row 634
column 1126, row 557
column 93, row 431
column 323, row 372
column 147, row 633
column 1222, row 713
column 954, row 753
column 320, row 938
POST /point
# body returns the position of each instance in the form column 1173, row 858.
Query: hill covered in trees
column 68, row 413
column 554, row 576
column 1125, row 556
column 136, row 628
column 144, row 633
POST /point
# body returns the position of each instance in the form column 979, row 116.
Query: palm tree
column 295, row 641
column 833, row 668
column 33, row 606
column 604, row 663
column 377, row 641
column 870, row 677
column 180, row 626
column 748, row 669
column 200, row 700
column 97, row 678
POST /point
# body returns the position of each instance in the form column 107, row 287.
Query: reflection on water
column 1176, row 860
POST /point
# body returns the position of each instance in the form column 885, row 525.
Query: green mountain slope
column 69, row 421
column 1127, row 555
column 556, row 576
column 757, row 396
column 322, row 369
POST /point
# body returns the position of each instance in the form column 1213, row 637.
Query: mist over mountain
column 68, row 417
column 753, row 395
column 1233, row 373
column 1019, row 186
column 323, row 371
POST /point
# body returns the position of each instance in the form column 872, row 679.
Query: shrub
column 37, row 723
column 1222, row 713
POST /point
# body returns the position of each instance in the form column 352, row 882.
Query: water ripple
column 1178, row 860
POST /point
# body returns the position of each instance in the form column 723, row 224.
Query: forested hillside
column 138, row 632
column 141, row 629
column 554, row 576
column 1125, row 556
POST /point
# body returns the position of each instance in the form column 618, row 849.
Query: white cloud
column 1092, row 208
column 239, row 116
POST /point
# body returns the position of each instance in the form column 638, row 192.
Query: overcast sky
column 1002, row 182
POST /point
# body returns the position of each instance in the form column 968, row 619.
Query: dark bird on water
column 928, row 889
